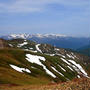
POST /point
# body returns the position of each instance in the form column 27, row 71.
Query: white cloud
column 38, row 5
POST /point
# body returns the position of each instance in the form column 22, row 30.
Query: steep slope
column 26, row 62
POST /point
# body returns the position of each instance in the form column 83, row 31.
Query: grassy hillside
column 9, row 75
column 38, row 75
column 25, row 62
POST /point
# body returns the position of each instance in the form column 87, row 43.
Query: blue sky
column 69, row 17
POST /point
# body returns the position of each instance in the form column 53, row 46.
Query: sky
column 68, row 17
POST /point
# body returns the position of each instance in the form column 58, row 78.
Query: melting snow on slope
column 70, row 68
column 61, row 55
column 10, row 45
column 31, row 48
column 76, row 66
column 62, row 68
column 78, row 76
column 57, row 71
column 37, row 47
column 57, row 49
column 20, row 69
column 33, row 51
column 24, row 43
column 65, row 61
column 36, row 59
column 74, row 55
column 50, row 54
column 70, row 56
column 79, row 67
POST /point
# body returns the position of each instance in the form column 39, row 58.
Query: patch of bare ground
column 76, row 84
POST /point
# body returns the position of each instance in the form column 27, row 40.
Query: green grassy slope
column 38, row 75
column 15, row 51
column 9, row 75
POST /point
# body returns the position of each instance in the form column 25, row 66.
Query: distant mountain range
column 57, row 40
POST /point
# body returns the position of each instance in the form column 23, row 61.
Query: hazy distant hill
column 85, row 50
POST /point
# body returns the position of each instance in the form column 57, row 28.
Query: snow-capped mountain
column 28, row 36
column 53, row 39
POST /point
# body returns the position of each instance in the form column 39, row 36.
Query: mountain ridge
column 57, row 40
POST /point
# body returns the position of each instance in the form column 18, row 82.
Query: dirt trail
column 1, row 44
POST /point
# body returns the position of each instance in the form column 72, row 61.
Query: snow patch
column 20, row 69
column 31, row 48
column 50, row 54
column 70, row 56
column 37, row 47
column 57, row 71
column 57, row 49
column 33, row 51
column 61, row 55
column 78, row 76
column 36, row 59
column 10, row 45
column 62, row 68
column 79, row 68
column 70, row 68
column 65, row 61
column 24, row 43
column 76, row 66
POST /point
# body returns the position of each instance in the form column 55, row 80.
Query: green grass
column 9, row 75
column 38, row 75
